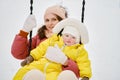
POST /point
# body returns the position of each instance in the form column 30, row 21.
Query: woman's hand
column 85, row 78
column 28, row 60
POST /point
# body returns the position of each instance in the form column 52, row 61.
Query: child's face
column 68, row 39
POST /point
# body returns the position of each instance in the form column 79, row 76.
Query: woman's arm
column 20, row 45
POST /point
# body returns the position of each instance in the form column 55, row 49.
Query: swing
column 74, row 67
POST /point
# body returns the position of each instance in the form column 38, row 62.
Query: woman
column 20, row 46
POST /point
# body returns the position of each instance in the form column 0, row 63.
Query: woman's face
column 50, row 21
column 68, row 39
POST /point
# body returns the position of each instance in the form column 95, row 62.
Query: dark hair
column 41, row 32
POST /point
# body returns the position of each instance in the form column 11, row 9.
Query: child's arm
column 36, row 53
column 84, row 63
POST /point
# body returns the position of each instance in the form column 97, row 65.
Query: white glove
column 56, row 55
column 29, row 23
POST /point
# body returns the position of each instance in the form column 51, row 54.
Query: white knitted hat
column 71, row 22
column 73, row 31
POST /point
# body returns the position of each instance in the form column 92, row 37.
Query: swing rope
column 30, row 36
column 83, row 10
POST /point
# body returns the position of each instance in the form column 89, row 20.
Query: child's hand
column 56, row 55
column 85, row 78
column 28, row 60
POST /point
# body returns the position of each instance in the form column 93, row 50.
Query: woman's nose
column 50, row 22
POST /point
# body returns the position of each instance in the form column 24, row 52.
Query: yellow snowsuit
column 50, row 69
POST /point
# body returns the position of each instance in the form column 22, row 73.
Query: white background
column 102, row 18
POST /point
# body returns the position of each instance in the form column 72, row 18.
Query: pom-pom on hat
column 71, row 25
column 56, row 9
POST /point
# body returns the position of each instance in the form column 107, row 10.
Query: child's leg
column 22, row 71
column 34, row 75
column 67, row 75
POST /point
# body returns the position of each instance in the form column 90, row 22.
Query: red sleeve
column 20, row 45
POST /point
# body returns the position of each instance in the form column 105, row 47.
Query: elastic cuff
column 66, row 63
column 64, row 60
column 23, row 33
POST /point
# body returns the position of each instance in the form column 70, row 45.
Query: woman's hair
column 41, row 31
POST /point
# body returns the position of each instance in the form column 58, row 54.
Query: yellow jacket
column 75, row 52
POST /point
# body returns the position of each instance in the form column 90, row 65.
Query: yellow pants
column 51, row 73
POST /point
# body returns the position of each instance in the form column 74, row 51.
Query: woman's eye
column 54, row 19
column 46, row 20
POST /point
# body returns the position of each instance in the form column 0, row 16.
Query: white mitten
column 29, row 23
column 56, row 55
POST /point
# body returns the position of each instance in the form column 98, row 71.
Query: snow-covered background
column 102, row 18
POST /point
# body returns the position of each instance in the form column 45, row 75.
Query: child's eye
column 66, row 35
column 73, row 37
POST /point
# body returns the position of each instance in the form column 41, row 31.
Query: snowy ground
column 102, row 18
